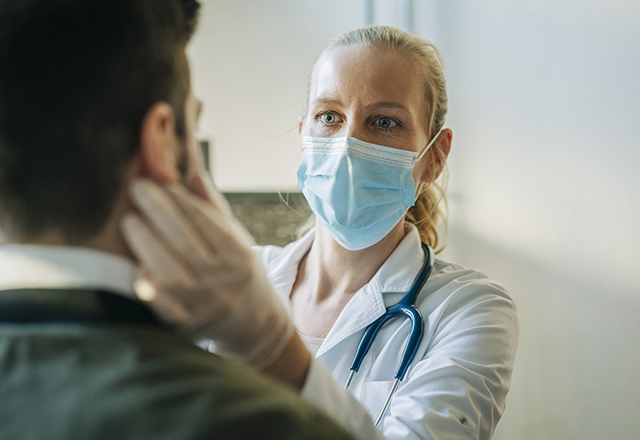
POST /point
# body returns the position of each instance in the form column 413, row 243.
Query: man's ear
column 300, row 124
column 159, row 147
column 440, row 151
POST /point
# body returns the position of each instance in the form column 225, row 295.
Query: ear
column 300, row 124
column 159, row 145
column 438, row 156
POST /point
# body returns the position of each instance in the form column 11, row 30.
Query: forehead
column 368, row 75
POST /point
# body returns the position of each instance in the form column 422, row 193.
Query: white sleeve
column 325, row 394
column 458, row 390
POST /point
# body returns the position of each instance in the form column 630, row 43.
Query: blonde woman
column 374, row 143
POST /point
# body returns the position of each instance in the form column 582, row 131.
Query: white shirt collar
column 60, row 267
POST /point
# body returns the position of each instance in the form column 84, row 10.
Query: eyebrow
column 322, row 100
column 387, row 104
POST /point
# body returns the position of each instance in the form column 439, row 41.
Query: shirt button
column 463, row 420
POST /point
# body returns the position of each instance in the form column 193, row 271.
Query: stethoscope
column 407, row 307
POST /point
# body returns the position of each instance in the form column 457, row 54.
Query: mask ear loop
column 420, row 156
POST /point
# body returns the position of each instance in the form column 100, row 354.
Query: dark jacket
column 94, row 365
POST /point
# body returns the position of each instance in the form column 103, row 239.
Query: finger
column 196, row 185
column 220, row 231
column 164, row 305
column 170, row 223
column 167, row 272
column 204, row 187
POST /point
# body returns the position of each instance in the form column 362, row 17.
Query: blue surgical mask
column 359, row 191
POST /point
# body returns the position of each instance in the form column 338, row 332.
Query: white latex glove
column 200, row 274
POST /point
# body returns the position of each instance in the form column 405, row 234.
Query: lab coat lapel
column 283, row 270
column 399, row 272
column 365, row 307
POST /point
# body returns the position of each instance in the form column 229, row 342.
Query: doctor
column 374, row 145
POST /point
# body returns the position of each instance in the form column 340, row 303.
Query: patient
column 94, row 94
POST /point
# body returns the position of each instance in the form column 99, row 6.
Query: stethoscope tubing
column 405, row 307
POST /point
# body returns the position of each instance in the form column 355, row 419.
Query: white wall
column 545, row 106
column 251, row 60
column 545, row 190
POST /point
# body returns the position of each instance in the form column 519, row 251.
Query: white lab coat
column 456, row 386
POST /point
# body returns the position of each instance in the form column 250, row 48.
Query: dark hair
column 76, row 79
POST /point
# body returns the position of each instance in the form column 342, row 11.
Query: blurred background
column 544, row 173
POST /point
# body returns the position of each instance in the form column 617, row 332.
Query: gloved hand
column 200, row 274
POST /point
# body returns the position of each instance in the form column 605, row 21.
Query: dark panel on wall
column 267, row 216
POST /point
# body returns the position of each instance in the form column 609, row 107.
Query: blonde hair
column 430, row 205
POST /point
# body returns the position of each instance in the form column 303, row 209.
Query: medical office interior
column 544, row 188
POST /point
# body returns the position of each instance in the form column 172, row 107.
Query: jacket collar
column 82, row 306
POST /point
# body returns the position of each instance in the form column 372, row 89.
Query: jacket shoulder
column 141, row 383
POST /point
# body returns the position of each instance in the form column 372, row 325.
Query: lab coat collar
column 398, row 273
column 395, row 276
column 365, row 307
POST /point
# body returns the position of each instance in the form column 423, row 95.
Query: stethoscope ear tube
column 367, row 340
column 411, row 348
column 407, row 306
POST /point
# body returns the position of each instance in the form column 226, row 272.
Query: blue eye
column 328, row 118
column 385, row 122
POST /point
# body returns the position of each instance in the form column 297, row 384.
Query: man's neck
column 108, row 239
